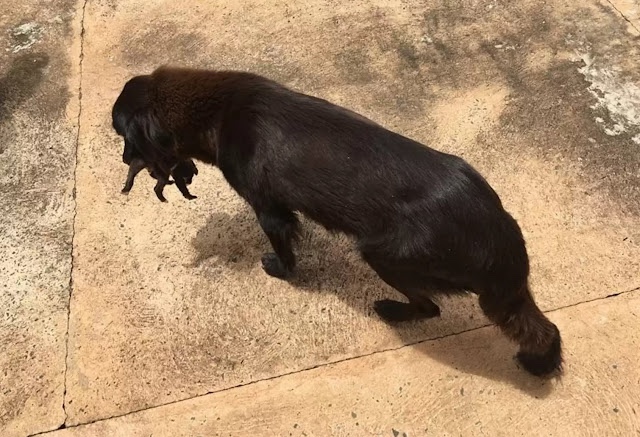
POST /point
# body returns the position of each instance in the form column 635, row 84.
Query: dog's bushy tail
column 520, row 319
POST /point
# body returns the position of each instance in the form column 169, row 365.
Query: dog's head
column 133, row 98
column 134, row 118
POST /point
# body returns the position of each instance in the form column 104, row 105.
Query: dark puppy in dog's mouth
column 424, row 220
column 182, row 172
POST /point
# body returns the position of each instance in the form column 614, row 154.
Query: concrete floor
column 122, row 316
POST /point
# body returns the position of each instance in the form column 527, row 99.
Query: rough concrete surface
column 38, row 131
column 169, row 301
column 430, row 389
column 630, row 11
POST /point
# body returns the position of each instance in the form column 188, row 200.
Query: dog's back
column 346, row 172
column 354, row 176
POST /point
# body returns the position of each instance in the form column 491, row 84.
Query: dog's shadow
column 329, row 264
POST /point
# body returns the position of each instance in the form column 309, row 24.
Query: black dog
column 424, row 220
column 183, row 173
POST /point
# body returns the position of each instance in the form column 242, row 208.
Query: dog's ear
column 119, row 120
column 151, row 141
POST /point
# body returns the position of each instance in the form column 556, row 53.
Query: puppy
column 425, row 221
column 183, row 173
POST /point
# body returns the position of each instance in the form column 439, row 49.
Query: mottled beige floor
column 123, row 316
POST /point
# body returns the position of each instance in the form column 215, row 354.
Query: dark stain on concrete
column 19, row 83
column 409, row 54
column 375, row 51
column 31, row 86
column 354, row 65
column 550, row 111
column 550, row 108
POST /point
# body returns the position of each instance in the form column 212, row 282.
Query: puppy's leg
column 159, row 188
column 412, row 286
column 515, row 312
column 182, row 186
column 281, row 227
column 136, row 167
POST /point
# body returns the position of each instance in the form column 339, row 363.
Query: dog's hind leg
column 281, row 227
column 414, row 287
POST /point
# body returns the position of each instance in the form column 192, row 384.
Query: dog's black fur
column 424, row 220
column 183, row 173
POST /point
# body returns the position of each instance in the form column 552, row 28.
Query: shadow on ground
column 328, row 264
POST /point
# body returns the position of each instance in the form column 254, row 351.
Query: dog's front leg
column 281, row 227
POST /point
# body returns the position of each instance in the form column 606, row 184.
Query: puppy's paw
column 124, row 191
column 191, row 197
column 394, row 311
column 160, row 196
column 273, row 266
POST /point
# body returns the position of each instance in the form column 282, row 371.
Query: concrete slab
column 464, row 385
column 38, row 121
column 170, row 301
column 629, row 10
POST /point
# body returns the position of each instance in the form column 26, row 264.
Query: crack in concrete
column 623, row 16
column 116, row 416
column 75, row 213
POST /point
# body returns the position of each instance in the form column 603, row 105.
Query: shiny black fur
column 424, row 220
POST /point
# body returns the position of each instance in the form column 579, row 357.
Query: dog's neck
column 201, row 146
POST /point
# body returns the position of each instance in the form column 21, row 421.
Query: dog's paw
column 394, row 311
column 273, row 266
column 191, row 197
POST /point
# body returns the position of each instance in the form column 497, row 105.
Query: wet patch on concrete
column 19, row 83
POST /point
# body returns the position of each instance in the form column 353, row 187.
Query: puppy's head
column 186, row 169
